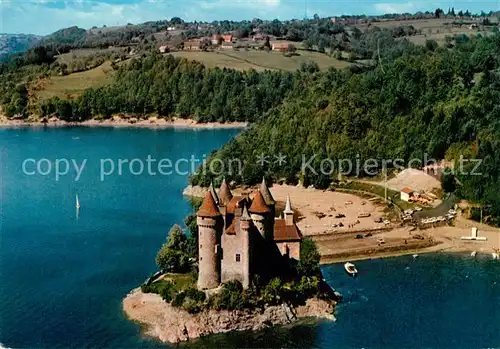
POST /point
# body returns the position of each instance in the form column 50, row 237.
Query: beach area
column 118, row 121
column 364, row 238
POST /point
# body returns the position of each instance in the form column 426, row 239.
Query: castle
column 240, row 237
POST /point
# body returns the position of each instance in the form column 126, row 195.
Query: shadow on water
column 302, row 335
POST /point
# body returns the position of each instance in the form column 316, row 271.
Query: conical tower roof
column 288, row 206
column 225, row 194
column 244, row 215
column 211, row 189
column 258, row 204
column 264, row 190
column 208, row 207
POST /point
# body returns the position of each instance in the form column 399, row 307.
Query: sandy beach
column 316, row 216
column 152, row 122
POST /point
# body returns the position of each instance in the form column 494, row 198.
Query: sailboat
column 77, row 202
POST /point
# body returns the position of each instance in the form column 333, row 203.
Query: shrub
column 179, row 299
column 309, row 258
column 146, row 288
column 272, row 292
column 167, row 291
column 192, row 306
column 230, row 297
column 196, row 295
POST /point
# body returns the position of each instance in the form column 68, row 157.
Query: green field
column 433, row 29
column 72, row 85
column 260, row 60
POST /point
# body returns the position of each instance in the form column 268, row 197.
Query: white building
column 406, row 194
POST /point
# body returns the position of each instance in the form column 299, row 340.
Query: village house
column 227, row 45
column 240, row 237
column 192, row 45
column 258, row 37
column 164, row 49
column 281, row 47
column 406, row 194
column 225, row 38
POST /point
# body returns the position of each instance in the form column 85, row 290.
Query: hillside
column 16, row 43
column 261, row 60
column 420, row 105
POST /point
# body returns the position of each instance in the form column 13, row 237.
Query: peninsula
column 252, row 270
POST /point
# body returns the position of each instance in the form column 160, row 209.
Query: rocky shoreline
column 174, row 325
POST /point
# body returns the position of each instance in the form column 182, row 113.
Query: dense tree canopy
column 422, row 103
column 178, row 87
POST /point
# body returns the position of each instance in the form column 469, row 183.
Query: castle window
column 238, row 257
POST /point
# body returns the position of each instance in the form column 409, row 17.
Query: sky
column 43, row 17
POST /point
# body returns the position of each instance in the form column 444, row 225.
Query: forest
column 436, row 102
column 178, row 87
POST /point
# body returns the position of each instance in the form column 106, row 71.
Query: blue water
column 62, row 277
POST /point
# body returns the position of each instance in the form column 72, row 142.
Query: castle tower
column 225, row 194
column 245, row 224
column 209, row 224
column 212, row 191
column 225, row 197
column 288, row 213
column 266, row 194
column 271, row 203
column 259, row 212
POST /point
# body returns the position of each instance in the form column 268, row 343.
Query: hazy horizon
column 43, row 17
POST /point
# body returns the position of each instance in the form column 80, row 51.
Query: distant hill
column 15, row 43
column 70, row 36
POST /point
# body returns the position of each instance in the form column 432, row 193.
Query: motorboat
column 473, row 254
column 351, row 269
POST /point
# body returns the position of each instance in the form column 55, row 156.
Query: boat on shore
column 350, row 269
column 473, row 254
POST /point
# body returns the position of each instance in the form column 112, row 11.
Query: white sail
column 77, row 202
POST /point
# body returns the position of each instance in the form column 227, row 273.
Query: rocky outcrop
column 194, row 190
column 174, row 325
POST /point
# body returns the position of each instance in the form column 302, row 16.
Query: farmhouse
column 192, row 45
column 240, row 237
column 282, row 47
column 227, row 45
column 406, row 194
column 163, row 48
column 225, row 38
column 258, row 37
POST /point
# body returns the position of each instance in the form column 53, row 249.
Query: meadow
column 72, row 85
column 261, row 60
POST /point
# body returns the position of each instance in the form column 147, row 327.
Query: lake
column 63, row 275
